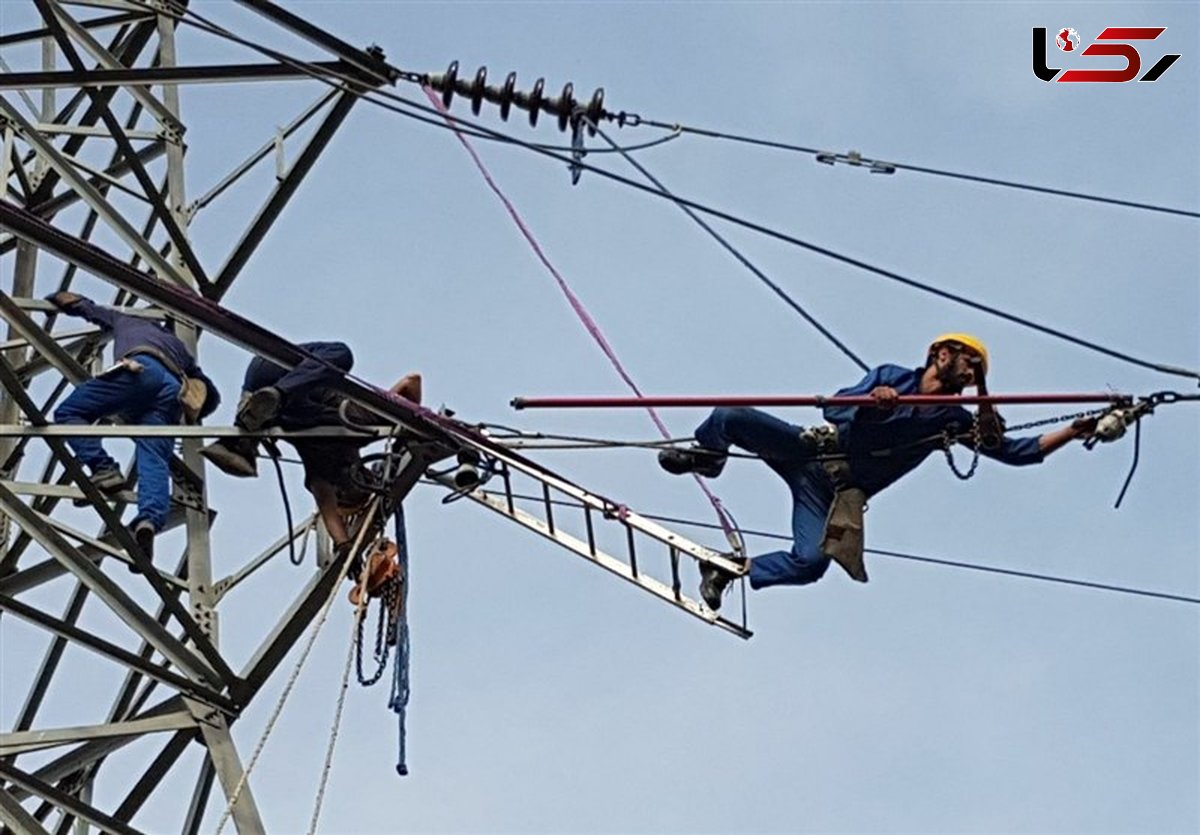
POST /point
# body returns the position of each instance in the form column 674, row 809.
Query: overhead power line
column 401, row 102
column 880, row 166
column 988, row 569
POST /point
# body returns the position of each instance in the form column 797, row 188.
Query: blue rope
column 398, row 701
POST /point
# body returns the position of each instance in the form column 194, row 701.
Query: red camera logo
column 1109, row 42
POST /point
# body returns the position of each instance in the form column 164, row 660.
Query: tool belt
column 842, row 540
column 193, row 392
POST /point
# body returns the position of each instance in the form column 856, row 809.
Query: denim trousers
column 303, row 387
column 148, row 398
column 783, row 449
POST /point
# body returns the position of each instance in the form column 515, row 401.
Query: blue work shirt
column 131, row 333
column 882, row 445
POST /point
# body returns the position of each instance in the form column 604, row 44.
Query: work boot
column 108, row 480
column 713, row 584
column 260, row 408
column 237, row 457
column 695, row 459
column 143, row 534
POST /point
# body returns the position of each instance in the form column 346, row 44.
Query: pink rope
column 588, row 322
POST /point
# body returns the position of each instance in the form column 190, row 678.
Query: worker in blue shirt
column 833, row 469
column 143, row 387
column 301, row 398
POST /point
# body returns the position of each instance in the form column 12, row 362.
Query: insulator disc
column 477, row 90
column 566, row 103
column 450, row 80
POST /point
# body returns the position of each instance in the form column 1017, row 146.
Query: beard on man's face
column 949, row 379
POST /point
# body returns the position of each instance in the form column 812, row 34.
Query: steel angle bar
column 153, row 775
column 46, row 346
column 99, row 546
column 226, row 584
column 246, row 165
column 139, row 91
column 32, row 35
column 287, row 630
column 104, row 182
column 50, row 661
column 280, row 195
column 97, row 749
column 379, row 70
column 47, row 570
column 199, row 799
column 106, row 590
column 60, row 337
column 127, row 44
column 95, row 133
column 228, row 766
column 126, row 5
column 46, row 306
column 81, row 348
column 113, row 652
column 207, row 74
column 49, row 206
column 5, row 72
column 62, row 800
column 35, row 740
column 14, row 816
column 56, row 19
column 91, row 195
column 604, row 560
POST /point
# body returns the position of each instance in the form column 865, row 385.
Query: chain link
column 388, row 608
column 948, row 440
column 1058, row 419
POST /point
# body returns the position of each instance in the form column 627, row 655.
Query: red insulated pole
column 812, row 400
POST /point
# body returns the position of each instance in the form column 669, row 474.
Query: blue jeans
column 781, row 448
column 148, row 398
column 304, row 385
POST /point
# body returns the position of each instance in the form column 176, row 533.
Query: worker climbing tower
column 98, row 189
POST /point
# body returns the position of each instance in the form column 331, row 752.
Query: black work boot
column 143, row 534
column 235, row 456
column 260, row 408
column 713, row 584
column 108, row 480
column 695, row 459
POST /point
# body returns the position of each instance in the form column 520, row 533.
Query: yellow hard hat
column 964, row 340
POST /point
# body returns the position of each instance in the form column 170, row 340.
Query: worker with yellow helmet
column 831, row 470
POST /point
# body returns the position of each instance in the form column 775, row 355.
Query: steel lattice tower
column 94, row 147
column 95, row 168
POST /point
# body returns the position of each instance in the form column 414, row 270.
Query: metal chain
column 387, row 607
column 948, row 443
column 1059, row 419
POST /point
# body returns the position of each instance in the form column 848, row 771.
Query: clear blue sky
column 550, row 697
